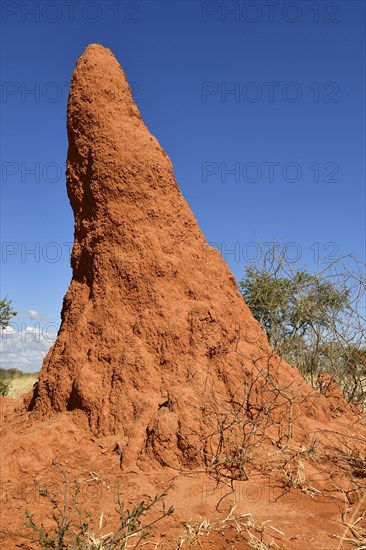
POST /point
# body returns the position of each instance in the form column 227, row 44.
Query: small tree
column 6, row 313
column 315, row 321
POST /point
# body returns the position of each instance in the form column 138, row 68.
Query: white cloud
column 35, row 315
column 24, row 347
column 31, row 315
column 8, row 330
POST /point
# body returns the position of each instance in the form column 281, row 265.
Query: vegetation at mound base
column 72, row 527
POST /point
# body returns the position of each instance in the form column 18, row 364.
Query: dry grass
column 256, row 535
column 355, row 528
column 295, row 477
column 20, row 385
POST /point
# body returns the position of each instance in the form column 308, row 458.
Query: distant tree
column 292, row 305
column 315, row 321
column 6, row 312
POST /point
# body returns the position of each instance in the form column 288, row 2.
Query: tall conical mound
column 154, row 332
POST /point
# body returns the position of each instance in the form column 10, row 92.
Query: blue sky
column 259, row 105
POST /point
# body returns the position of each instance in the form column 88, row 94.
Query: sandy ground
column 261, row 510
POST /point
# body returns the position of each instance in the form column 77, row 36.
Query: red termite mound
column 154, row 335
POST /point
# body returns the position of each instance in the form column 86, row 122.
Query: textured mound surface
column 153, row 326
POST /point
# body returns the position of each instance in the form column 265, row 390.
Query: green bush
column 315, row 321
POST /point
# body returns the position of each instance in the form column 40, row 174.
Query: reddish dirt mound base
column 304, row 503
